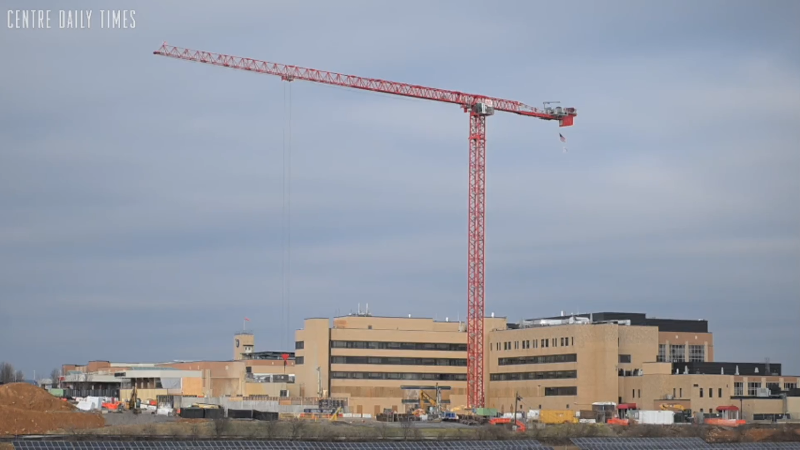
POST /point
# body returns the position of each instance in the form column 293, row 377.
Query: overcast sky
column 142, row 200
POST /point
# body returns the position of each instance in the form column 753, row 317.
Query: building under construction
column 567, row 362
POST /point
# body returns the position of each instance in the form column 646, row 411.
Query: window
column 540, row 359
column 789, row 386
column 508, row 344
column 380, row 345
column 518, row 376
column 753, row 387
column 554, row 341
column 572, row 340
column 738, row 389
column 399, row 361
column 701, row 392
column 719, row 393
column 299, row 360
column 710, row 392
column 299, row 345
column 697, row 353
column 633, row 393
column 399, row 376
column 516, row 345
column 567, row 390
column 662, row 353
column 681, row 392
column 639, row 393
column 677, row 353
column 673, row 392
column 624, row 359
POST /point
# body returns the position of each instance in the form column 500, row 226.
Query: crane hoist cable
column 286, row 217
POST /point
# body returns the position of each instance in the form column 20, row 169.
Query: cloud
column 138, row 188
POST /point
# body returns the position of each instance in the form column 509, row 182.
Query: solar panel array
column 757, row 446
column 640, row 443
column 277, row 445
column 614, row 443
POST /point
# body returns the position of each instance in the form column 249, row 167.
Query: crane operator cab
column 484, row 108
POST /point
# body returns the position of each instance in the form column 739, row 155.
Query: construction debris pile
column 27, row 409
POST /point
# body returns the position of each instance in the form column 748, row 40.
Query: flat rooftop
column 641, row 319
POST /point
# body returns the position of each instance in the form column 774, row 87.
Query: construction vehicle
column 682, row 414
column 430, row 406
column 507, row 422
column 132, row 402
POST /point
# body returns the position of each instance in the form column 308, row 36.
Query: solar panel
column 674, row 444
column 276, row 445
column 600, row 443
column 756, row 446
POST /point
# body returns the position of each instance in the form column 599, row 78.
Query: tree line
column 9, row 374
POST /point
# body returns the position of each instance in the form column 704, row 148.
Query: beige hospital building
column 562, row 362
column 566, row 362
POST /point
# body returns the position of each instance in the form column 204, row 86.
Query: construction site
column 566, row 381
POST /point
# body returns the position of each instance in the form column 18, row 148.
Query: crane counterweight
column 479, row 108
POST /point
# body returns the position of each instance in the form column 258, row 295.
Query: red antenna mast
column 479, row 107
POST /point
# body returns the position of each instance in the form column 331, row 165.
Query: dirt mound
column 27, row 409
column 15, row 421
column 31, row 398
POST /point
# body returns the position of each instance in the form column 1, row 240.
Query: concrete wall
column 258, row 405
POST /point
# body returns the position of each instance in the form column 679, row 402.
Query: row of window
column 564, row 390
column 399, row 376
column 380, row 345
column 538, row 359
column 551, row 375
column 535, row 343
column 399, row 361
column 677, row 353
column 754, row 386
column 711, row 392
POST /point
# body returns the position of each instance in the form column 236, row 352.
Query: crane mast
column 479, row 107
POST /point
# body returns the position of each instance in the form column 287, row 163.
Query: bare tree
column 55, row 374
column 6, row 372
column 19, row 376
column 297, row 428
column 407, row 427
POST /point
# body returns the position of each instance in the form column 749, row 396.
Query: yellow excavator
column 132, row 401
column 682, row 414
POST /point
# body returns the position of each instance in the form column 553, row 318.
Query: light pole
column 517, row 399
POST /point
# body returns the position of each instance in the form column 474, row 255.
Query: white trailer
column 653, row 417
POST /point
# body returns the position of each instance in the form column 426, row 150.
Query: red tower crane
column 479, row 107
